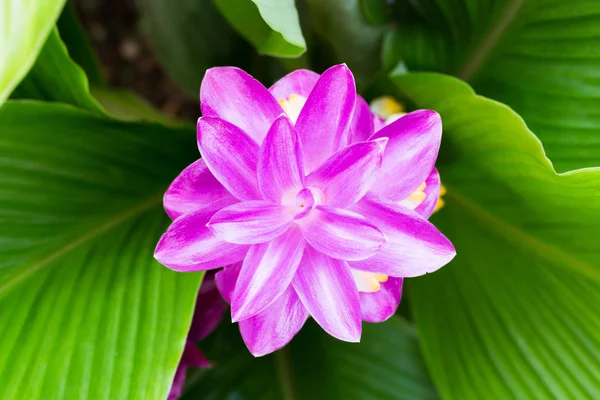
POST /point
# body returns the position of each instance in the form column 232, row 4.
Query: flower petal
column 231, row 156
column 432, row 194
column 382, row 304
column 346, row 176
column 414, row 246
column 325, row 120
column 226, row 280
column 234, row 96
column 266, row 273
column 341, row 233
column 414, row 142
column 188, row 245
column 327, row 290
column 274, row 327
column 280, row 162
column 193, row 189
column 251, row 222
column 300, row 81
column 362, row 123
column 209, row 310
column 192, row 357
column 378, row 123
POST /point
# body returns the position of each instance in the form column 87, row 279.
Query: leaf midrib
column 510, row 231
column 489, row 41
column 27, row 271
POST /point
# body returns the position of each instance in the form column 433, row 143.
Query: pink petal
column 274, row 327
column 341, row 233
column 192, row 357
column 414, row 142
column 193, row 189
column 378, row 123
column 226, row 280
column 266, row 273
column 363, row 124
column 188, row 245
column 382, row 304
column 414, row 246
column 432, row 194
column 300, row 81
column 280, row 162
column 325, row 120
column 231, row 156
column 209, row 309
column 327, row 290
column 251, row 222
column 231, row 94
column 347, row 175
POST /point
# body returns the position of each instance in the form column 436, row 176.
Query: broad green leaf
column 272, row 26
column 514, row 315
column 387, row 364
column 24, row 27
column 340, row 24
column 128, row 106
column 56, row 77
column 80, row 48
column 85, row 311
column 376, row 12
column 190, row 38
column 541, row 57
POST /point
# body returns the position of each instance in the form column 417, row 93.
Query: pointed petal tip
column 382, row 142
column 351, row 337
column 261, row 351
column 239, row 312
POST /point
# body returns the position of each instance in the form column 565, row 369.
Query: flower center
column 368, row 282
column 292, row 106
column 306, row 201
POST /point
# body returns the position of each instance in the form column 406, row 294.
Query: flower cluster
column 313, row 206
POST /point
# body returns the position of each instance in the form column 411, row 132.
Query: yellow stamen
column 416, row 198
column 386, row 106
column 440, row 202
column 368, row 282
column 292, row 106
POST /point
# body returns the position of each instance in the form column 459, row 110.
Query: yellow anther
column 368, row 282
column 440, row 202
column 292, row 106
column 387, row 106
column 416, row 198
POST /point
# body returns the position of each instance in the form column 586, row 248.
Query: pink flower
column 306, row 207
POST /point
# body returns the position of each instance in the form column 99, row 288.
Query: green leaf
column 190, row 38
column 272, row 26
column 56, row 77
column 85, row 311
column 376, row 12
column 80, row 48
column 541, row 57
column 25, row 27
column 354, row 41
column 387, row 364
column 128, row 106
column 513, row 316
